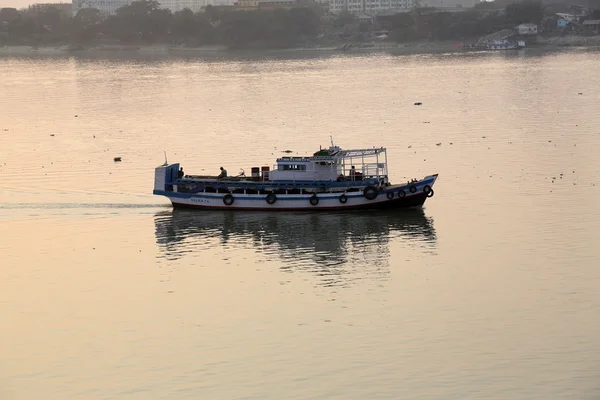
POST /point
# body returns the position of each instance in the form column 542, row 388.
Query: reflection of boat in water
column 299, row 237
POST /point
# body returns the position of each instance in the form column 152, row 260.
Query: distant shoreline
column 548, row 44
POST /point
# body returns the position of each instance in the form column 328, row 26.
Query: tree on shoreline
column 85, row 25
column 144, row 21
column 433, row 24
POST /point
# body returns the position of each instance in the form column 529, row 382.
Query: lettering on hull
column 200, row 201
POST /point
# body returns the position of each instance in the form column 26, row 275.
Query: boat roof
column 360, row 152
column 334, row 153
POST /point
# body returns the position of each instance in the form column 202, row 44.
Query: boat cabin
column 333, row 164
column 305, row 169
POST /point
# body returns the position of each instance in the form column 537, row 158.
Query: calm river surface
column 491, row 291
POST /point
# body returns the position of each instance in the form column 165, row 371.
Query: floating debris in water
column 52, row 134
column 418, row 103
column 117, row 159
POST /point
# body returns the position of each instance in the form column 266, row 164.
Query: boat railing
column 365, row 169
column 230, row 185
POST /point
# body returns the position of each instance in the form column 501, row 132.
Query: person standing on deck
column 180, row 173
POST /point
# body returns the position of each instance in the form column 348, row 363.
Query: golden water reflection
column 330, row 244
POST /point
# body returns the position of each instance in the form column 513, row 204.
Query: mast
column 377, row 165
column 386, row 166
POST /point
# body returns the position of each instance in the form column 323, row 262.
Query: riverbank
column 422, row 47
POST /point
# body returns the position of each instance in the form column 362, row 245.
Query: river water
column 489, row 292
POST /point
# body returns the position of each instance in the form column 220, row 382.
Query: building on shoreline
column 246, row 5
column 106, row 7
column 526, row 29
column 377, row 7
column 193, row 5
column 449, row 4
column 369, row 6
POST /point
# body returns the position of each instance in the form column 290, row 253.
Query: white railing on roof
column 359, row 152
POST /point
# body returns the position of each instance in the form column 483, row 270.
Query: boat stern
column 164, row 177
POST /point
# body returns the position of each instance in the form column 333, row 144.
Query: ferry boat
column 504, row 45
column 330, row 179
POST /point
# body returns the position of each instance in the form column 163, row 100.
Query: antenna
column 331, row 137
column 166, row 162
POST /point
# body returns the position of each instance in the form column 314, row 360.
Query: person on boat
column 180, row 173
column 223, row 173
column 355, row 176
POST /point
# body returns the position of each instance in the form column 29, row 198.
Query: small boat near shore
column 495, row 45
column 504, row 45
column 330, row 179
